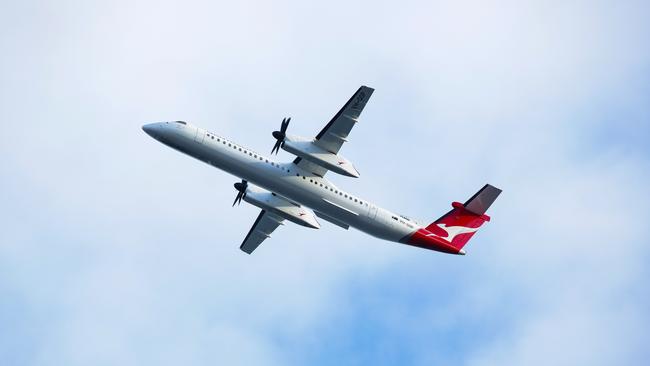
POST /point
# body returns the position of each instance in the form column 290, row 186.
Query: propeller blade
column 276, row 147
column 285, row 124
column 237, row 199
column 241, row 191
column 280, row 135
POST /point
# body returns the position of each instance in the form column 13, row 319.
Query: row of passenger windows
column 211, row 136
column 345, row 195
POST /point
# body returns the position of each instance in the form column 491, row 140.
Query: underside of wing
column 310, row 167
column 336, row 132
column 264, row 225
column 330, row 139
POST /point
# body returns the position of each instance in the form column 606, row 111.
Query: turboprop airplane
column 299, row 191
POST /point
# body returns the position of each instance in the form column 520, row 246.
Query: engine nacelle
column 307, row 150
column 281, row 207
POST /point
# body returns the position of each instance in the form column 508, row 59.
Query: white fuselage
column 284, row 179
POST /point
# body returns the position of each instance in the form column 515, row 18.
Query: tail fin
column 459, row 225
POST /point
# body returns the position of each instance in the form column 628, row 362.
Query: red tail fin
column 459, row 225
column 453, row 230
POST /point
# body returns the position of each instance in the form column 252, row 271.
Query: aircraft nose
column 151, row 129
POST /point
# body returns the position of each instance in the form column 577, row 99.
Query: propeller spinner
column 280, row 135
column 241, row 188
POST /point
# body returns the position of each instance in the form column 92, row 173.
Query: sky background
column 115, row 249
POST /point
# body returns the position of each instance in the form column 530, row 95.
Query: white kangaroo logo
column 453, row 231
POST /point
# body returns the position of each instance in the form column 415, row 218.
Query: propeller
column 241, row 188
column 280, row 135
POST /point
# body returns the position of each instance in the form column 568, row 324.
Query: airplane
column 299, row 192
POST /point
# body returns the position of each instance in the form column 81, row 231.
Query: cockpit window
column 181, row 122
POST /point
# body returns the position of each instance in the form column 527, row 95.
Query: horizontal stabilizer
column 482, row 200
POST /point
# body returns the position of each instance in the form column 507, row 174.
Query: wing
column 336, row 132
column 262, row 228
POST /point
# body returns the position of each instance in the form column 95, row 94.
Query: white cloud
column 126, row 252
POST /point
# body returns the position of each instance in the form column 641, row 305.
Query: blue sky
column 117, row 250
